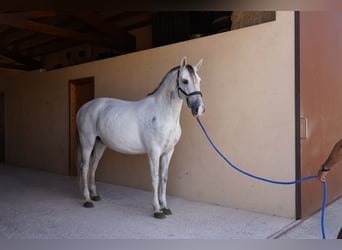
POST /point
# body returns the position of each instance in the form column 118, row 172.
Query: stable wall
column 248, row 86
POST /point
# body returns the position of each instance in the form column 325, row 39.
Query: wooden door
column 320, row 83
column 80, row 92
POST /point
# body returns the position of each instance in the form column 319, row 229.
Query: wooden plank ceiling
column 26, row 37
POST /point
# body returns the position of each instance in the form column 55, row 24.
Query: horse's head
column 188, row 87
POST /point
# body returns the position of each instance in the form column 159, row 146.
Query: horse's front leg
column 164, row 168
column 154, row 168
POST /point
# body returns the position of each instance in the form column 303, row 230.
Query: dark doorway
column 80, row 92
column 2, row 127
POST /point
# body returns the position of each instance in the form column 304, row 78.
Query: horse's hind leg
column 84, row 167
column 87, row 142
column 98, row 150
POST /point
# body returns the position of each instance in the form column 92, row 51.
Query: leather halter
column 187, row 95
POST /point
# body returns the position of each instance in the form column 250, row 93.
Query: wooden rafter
column 53, row 46
column 96, row 21
column 105, row 27
column 27, row 62
column 139, row 24
column 14, row 66
column 17, row 21
column 33, row 42
column 26, row 36
column 125, row 15
column 31, row 14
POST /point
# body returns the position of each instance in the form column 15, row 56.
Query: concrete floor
column 41, row 205
column 310, row 228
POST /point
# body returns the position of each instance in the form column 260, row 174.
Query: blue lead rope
column 323, row 209
column 268, row 180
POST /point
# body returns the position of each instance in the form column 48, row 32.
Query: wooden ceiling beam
column 53, row 46
column 22, row 23
column 13, row 35
column 105, row 27
column 14, row 66
column 32, row 42
column 125, row 15
column 139, row 24
column 27, row 61
column 96, row 21
column 31, row 14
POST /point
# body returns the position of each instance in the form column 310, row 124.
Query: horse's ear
column 198, row 65
column 183, row 62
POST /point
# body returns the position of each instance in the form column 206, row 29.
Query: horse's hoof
column 166, row 211
column 96, row 198
column 88, row 204
column 159, row 215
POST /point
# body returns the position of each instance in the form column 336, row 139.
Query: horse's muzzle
column 198, row 111
column 195, row 103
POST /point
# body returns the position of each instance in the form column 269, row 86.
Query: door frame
column 74, row 105
column 297, row 118
column 2, row 127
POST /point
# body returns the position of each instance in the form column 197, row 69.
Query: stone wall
column 242, row 19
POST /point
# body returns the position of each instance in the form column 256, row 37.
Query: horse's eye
column 185, row 81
